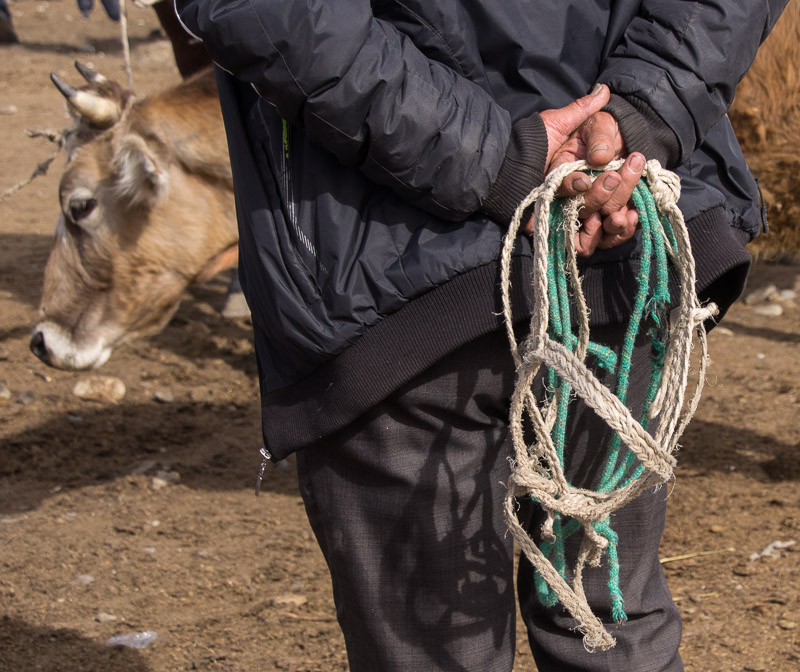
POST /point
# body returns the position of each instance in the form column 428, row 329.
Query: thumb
column 562, row 122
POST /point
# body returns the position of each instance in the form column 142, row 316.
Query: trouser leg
column 649, row 640
column 190, row 55
column 406, row 505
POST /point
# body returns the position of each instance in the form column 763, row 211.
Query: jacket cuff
column 522, row 169
column 644, row 131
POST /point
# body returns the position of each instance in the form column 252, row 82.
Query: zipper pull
column 266, row 456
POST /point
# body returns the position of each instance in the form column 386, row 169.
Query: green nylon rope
column 649, row 309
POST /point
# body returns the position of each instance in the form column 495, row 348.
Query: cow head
column 146, row 209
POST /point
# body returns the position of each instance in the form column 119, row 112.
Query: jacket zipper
column 266, row 456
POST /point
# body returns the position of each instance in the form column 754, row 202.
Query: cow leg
column 235, row 303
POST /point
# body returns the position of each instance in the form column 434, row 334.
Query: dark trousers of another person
column 190, row 54
column 406, row 504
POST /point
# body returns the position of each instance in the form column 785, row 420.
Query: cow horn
column 98, row 111
column 91, row 76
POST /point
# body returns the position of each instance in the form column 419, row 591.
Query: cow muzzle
column 51, row 344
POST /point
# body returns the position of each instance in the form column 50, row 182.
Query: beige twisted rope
column 537, row 470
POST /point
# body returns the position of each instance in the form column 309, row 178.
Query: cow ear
column 141, row 179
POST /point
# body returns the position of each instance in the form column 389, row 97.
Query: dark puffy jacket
column 365, row 137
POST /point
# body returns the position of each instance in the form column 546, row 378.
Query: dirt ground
column 139, row 516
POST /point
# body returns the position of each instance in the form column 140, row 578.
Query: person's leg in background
column 7, row 33
column 189, row 52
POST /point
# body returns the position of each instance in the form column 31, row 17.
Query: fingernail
column 597, row 90
column 611, row 182
column 598, row 148
column 637, row 163
column 580, row 184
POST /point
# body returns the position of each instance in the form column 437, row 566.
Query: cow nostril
column 37, row 345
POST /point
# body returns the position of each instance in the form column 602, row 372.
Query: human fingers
column 629, row 174
column 574, row 184
column 598, row 141
column 528, row 228
column 589, row 235
column 603, row 141
column 572, row 150
column 562, row 122
column 612, row 190
column 618, row 227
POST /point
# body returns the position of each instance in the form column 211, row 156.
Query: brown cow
column 146, row 209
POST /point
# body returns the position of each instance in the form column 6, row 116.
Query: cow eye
column 80, row 208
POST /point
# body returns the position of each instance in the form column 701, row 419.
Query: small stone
column 760, row 355
column 26, row 398
column 786, row 624
column 743, row 570
column 164, row 478
column 164, row 396
column 760, row 295
column 722, row 331
column 84, row 579
column 75, row 419
column 787, row 295
column 4, row 354
column 288, row 600
column 717, row 529
column 5, row 393
column 168, row 476
column 143, row 468
column 103, row 617
column 769, row 310
column 9, row 109
column 106, row 389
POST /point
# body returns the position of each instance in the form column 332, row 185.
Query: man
column 379, row 150
column 7, row 33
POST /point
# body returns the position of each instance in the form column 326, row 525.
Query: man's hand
column 562, row 124
column 608, row 219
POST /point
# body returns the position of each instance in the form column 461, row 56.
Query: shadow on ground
column 29, row 647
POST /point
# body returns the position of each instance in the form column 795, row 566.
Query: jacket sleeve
column 683, row 59
column 363, row 91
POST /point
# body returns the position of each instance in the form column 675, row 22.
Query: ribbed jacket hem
column 426, row 329
column 721, row 268
column 390, row 354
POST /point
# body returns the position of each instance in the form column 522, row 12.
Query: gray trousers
column 406, row 504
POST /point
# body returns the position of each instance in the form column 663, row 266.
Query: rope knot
column 664, row 184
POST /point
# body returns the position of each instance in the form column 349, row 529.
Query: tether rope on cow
column 637, row 457
column 41, row 167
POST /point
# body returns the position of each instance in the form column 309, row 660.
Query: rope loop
column 559, row 347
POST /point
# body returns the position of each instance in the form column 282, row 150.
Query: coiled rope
column 638, row 456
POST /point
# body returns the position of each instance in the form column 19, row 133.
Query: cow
column 147, row 209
